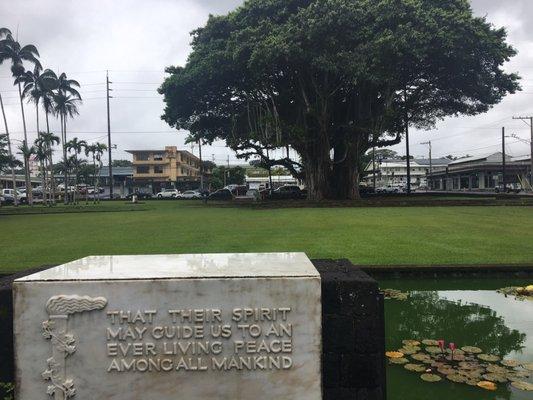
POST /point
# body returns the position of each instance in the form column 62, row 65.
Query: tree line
column 58, row 97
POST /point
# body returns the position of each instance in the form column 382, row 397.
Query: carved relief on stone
column 55, row 329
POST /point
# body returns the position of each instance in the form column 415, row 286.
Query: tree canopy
column 332, row 78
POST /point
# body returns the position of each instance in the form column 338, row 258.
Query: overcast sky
column 136, row 39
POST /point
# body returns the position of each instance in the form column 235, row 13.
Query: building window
column 143, row 169
column 183, row 171
column 158, row 157
column 158, row 169
column 141, row 157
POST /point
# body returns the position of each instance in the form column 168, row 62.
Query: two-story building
column 393, row 172
column 166, row 168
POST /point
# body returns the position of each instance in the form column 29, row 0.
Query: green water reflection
column 464, row 311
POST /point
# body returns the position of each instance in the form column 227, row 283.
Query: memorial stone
column 211, row 326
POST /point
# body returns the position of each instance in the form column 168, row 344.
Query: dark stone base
column 353, row 333
column 6, row 324
column 353, row 360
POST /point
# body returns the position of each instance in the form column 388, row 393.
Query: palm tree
column 37, row 87
column 47, row 96
column 4, row 32
column 42, row 157
column 11, row 50
column 26, row 153
column 49, row 140
column 96, row 150
column 67, row 86
column 76, row 146
column 65, row 106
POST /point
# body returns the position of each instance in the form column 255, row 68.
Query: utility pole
column 430, row 159
column 111, row 183
column 10, row 154
column 503, row 160
column 531, row 147
column 374, row 167
column 407, row 153
column 226, row 174
column 201, row 166
column 269, row 172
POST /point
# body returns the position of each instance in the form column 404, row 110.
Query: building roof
column 522, row 159
column 117, row 171
column 496, row 157
column 414, row 161
column 434, row 161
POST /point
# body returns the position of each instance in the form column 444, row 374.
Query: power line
column 480, row 148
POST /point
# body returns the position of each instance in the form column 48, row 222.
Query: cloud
column 135, row 40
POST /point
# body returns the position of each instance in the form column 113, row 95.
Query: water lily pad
column 446, row 371
column 487, row 385
column 471, row 349
column 496, row 369
column 430, row 378
column 430, row 342
column 519, row 292
column 458, row 378
column 456, row 357
column 510, row 363
column 521, row 385
column 421, row 357
column 528, row 366
column 410, row 342
column 456, row 351
column 433, row 349
column 468, row 365
column 475, row 374
column 394, row 354
column 438, row 364
column 400, row 360
column 409, row 350
column 488, row 357
column 393, row 294
column 495, row 377
column 522, row 374
column 415, row 367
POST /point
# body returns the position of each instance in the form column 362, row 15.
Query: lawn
column 395, row 235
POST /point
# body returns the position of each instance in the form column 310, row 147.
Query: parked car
column 168, row 194
column 250, row 195
column 287, row 192
column 510, row 188
column 9, row 195
column 366, row 189
column 221, row 194
column 140, row 195
column 6, row 201
column 238, row 190
column 190, row 195
column 389, row 189
column 93, row 190
column 61, row 188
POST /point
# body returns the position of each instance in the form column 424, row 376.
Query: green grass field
column 396, row 235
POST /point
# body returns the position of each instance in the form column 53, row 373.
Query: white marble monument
column 162, row 327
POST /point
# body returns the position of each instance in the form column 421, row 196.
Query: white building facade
column 393, row 172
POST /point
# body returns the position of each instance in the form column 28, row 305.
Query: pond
column 467, row 312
